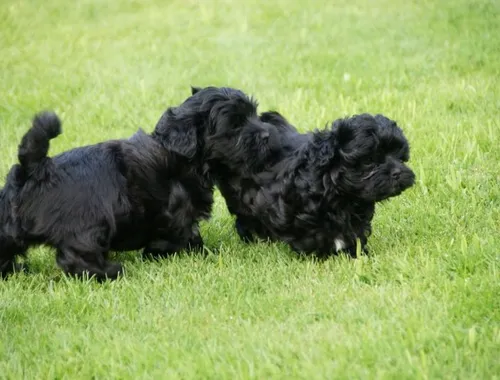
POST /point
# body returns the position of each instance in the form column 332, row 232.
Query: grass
column 426, row 305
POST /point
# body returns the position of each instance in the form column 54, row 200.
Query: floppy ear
column 194, row 90
column 179, row 136
column 273, row 117
column 356, row 136
column 343, row 131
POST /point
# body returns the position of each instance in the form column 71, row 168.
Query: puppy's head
column 237, row 137
column 183, row 129
column 254, row 144
column 365, row 157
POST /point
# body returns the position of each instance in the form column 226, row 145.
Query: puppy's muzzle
column 403, row 178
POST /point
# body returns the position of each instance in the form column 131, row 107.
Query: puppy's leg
column 160, row 248
column 243, row 230
column 351, row 250
column 195, row 242
column 78, row 263
column 9, row 250
column 168, row 238
column 162, row 241
column 86, row 254
column 163, row 245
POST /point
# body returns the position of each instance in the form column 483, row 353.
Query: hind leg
column 87, row 253
column 9, row 251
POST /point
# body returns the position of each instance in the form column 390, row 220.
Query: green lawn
column 425, row 305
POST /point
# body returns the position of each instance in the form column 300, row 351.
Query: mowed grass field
column 424, row 305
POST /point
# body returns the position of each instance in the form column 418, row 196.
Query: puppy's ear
column 272, row 117
column 356, row 136
column 177, row 135
column 276, row 119
column 194, row 90
column 343, row 131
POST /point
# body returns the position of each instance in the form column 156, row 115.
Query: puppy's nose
column 264, row 135
column 395, row 173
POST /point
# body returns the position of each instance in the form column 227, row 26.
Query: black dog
column 236, row 153
column 147, row 192
column 318, row 193
column 239, row 141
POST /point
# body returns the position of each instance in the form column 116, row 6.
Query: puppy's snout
column 396, row 173
column 264, row 135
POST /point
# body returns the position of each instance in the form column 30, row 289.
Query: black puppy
column 236, row 154
column 147, row 192
column 235, row 131
column 319, row 193
column 243, row 194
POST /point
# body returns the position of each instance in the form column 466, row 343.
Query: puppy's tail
column 35, row 143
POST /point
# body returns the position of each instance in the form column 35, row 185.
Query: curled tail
column 35, row 143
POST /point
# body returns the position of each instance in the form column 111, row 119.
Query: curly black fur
column 238, row 139
column 148, row 191
column 318, row 193
column 245, row 144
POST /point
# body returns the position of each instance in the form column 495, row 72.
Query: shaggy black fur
column 318, row 193
column 241, row 148
column 149, row 191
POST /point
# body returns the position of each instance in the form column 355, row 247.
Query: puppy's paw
column 195, row 244
column 112, row 271
column 6, row 269
column 353, row 253
column 244, row 234
column 160, row 248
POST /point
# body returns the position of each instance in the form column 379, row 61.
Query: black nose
column 264, row 135
column 396, row 173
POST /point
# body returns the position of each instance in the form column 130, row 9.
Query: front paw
column 244, row 234
column 353, row 251
column 195, row 244
column 160, row 248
